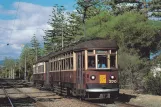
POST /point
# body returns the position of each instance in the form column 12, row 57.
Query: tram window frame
column 90, row 51
column 102, row 51
column 89, row 62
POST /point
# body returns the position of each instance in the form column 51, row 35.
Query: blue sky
column 21, row 19
column 7, row 4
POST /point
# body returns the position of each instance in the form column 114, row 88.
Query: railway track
column 7, row 100
column 13, row 97
column 35, row 101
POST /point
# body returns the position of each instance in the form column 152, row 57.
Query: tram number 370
column 112, row 81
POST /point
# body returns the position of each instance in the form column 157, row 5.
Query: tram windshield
column 103, row 60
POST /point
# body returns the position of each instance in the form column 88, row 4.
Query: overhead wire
column 9, row 36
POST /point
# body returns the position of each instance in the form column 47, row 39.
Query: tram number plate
column 112, row 81
column 102, row 78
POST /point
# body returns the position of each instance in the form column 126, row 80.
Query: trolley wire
column 14, row 22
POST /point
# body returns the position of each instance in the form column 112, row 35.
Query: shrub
column 153, row 84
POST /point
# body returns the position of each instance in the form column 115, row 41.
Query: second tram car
column 88, row 70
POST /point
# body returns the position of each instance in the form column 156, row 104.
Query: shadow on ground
column 125, row 97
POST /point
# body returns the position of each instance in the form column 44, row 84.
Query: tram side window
column 83, row 61
column 51, row 66
column 34, row 70
column 67, row 63
column 102, row 61
column 39, row 70
column 113, row 61
column 91, row 61
column 71, row 63
column 42, row 68
column 61, row 66
column 64, row 66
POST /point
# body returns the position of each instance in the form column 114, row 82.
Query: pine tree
column 74, row 28
column 66, row 29
column 53, row 38
column 35, row 47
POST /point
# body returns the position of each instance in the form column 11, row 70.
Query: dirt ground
column 144, row 100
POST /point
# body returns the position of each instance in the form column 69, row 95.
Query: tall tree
column 9, row 65
column 35, row 47
column 27, row 60
column 88, row 8
column 74, row 28
column 54, row 38
column 66, row 29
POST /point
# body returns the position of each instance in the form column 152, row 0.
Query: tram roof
column 43, row 59
column 91, row 44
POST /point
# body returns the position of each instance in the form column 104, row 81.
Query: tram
column 88, row 70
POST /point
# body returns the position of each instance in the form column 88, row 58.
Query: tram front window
column 91, row 61
column 102, row 61
column 113, row 61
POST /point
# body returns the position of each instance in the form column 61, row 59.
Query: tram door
column 79, row 72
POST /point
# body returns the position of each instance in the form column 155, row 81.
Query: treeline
column 22, row 67
column 130, row 25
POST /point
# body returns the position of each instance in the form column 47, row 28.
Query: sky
column 20, row 20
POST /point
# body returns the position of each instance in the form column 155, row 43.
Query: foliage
column 36, row 50
column 66, row 29
column 118, row 7
column 155, row 8
column 131, row 30
column 132, row 69
column 27, row 56
column 9, row 64
column 88, row 8
column 153, row 84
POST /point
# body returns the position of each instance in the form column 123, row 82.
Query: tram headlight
column 112, row 77
column 93, row 77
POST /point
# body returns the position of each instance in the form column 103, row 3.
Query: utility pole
column 13, row 74
column 19, row 71
column 36, row 54
column 25, row 68
column 62, row 38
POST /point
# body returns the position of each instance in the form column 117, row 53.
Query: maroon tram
column 88, row 70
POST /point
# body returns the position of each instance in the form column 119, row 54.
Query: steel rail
column 8, row 97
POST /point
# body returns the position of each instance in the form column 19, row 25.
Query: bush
column 153, row 84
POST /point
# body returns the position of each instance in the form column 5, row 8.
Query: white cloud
column 30, row 20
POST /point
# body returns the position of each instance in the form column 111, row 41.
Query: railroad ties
column 10, row 96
